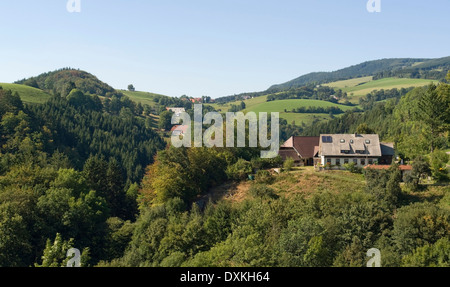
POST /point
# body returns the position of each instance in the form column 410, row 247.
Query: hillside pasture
column 28, row 94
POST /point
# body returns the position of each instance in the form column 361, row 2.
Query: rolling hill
column 61, row 82
column 28, row 94
column 408, row 68
column 260, row 104
column 145, row 98
column 358, row 87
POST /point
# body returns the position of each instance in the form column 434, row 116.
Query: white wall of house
column 360, row 161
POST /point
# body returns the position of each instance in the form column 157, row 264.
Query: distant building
column 196, row 100
column 179, row 130
column 300, row 149
column 176, row 111
column 339, row 149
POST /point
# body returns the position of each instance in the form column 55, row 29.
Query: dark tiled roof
column 303, row 145
column 288, row 153
column 335, row 144
column 387, row 149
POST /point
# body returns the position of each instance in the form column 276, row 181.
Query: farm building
column 300, row 149
column 339, row 149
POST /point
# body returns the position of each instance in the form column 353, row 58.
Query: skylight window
column 327, row 139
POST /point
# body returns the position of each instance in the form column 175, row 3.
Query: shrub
column 262, row 191
column 288, row 164
column 439, row 161
column 263, row 176
column 239, row 170
column 351, row 167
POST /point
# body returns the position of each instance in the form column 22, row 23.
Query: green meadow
column 260, row 104
column 283, row 106
column 141, row 97
column 358, row 87
column 28, row 94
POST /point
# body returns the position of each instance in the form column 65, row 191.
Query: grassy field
column 350, row 83
column 359, row 87
column 280, row 106
column 249, row 103
column 304, row 180
column 141, row 97
column 28, row 94
column 301, row 180
column 260, row 104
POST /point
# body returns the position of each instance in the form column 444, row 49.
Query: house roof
column 387, row 149
column 302, row 145
column 335, row 144
column 181, row 129
column 289, row 153
column 316, row 150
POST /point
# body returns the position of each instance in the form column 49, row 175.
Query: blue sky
column 213, row 47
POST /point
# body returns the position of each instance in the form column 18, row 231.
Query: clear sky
column 213, row 47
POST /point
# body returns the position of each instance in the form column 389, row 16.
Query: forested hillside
column 62, row 82
column 89, row 172
column 66, row 168
column 409, row 68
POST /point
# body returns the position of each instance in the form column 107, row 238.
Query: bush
column 263, row 176
column 262, row 191
column 265, row 163
column 351, row 167
column 288, row 164
column 439, row 160
column 239, row 170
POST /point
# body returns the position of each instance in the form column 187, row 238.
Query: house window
column 329, row 161
column 355, row 161
column 327, row 139
column 370, row 161
column 351, row 141
column 367, row 141
column 342, row 141
column 363, row 162
column 346, row 160
column 338, row 162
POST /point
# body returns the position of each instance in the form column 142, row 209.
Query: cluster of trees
column 73, row 174
column 302, row 230
column 80, row 130
column 188, row 173
column 318, row 110
column 62, row 82
column 415, row 68
column 365, row 69
column 237, row 108
column 69, row 170
column 164, row 101
column 310, row 91
column 368, row 101
column 434, row 69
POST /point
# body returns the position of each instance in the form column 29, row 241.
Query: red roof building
column 301, row 149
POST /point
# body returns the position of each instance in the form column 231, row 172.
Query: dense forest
column 66, row 167
column 86, row 171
